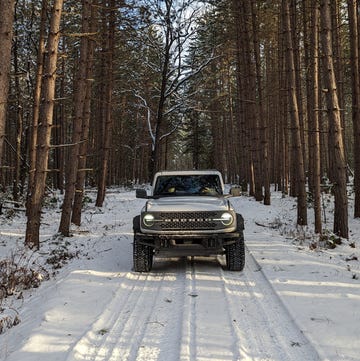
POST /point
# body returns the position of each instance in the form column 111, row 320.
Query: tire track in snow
column 136, row 324
column 263, row 326
column 237, row 316
column 249, row 324
column 193, row 310
column 187, row 351
column 102, row 340
column 124, row 339
column 207, row 330
column 162, row 334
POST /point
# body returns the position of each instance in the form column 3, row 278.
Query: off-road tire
column 142, row 254
column 235, row 253
column 136, row 224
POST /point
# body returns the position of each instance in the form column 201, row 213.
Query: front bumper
column 188, row 244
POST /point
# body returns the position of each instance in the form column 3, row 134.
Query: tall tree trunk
column 251, row 106
column 263, row 126
column 283, row 111
column 313, row 114
column 60, row 134
column 339, row 64
column 294, row 15
column 19, row 116
column 78, row 119
column 80, row 180
column 155, row 160
column 335, row 130
column 108, row 117
column 294, row 112
column 37, row 95
column 355, row 85
column 243, row 134
column 6, row 34
column 34, row 204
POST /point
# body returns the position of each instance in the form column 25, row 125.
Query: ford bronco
column 187, row 214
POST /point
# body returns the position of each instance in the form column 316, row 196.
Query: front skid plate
column 188, row 246
column 180, row 252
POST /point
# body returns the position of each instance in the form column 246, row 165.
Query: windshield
column 184, row 185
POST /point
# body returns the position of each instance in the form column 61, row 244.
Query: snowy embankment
column 292, row 302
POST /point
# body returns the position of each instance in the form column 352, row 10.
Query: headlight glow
column 149, row 220
column 226, row 219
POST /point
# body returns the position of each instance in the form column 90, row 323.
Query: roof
column 187, row 172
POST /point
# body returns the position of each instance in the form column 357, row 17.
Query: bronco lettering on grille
column 187, row 220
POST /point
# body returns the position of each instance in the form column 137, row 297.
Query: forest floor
column 295, row 300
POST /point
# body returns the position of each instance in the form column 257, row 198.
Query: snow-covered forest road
column 193, row 310
column 289, row 303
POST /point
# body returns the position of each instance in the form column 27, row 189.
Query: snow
column 292, row 302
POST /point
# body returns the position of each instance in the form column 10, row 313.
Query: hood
column 187, row 204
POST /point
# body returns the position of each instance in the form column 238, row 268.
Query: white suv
column 187, row 214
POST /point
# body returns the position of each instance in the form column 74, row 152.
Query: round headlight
column 226, row 219
column 149, row 220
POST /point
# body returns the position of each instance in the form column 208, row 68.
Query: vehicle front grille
column 190, row 220
column 185, row 221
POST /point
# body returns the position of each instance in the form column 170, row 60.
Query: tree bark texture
column 239, row 105
column 155, row 161
column 355, row 84
column 263, row 126
column 313, row 111
column 37, row 95
column 335, row 129
column 294, row 114
column 108, row 116
column 44, row 130
column 81, row 175
column 81, row 84
column 6, row 34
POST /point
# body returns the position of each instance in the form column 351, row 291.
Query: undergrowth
column 20, row 272
column 304, row 236
column 17, row 273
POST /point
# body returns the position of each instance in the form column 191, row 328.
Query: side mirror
column 235, row 191
column 141, row 193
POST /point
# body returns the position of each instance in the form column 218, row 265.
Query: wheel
column 136, row 224
column 235, row 253
column 142, row 256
